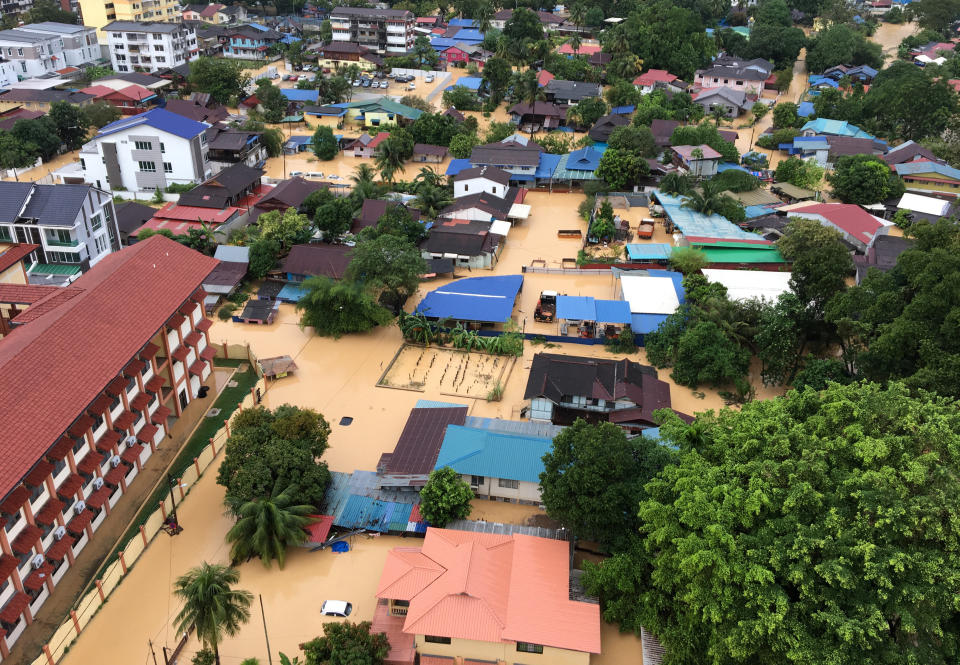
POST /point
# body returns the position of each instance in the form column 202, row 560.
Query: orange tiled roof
column 491, row 588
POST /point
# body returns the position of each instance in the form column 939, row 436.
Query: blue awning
column 522, row 177
column 613, row 311
column 576, row 308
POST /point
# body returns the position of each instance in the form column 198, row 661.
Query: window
column 101, row 244
column 19, row 51
column 147, row 167
column 158, row 47
column 96, row 222
column 167, row 167
column 203, row 139
column 466, row 188
column 401, row 603
column 5, row 234
column 526, row 647
column 436, row 639
column 158, row 37
column 162, row 148
column 206, row 157
column 508, row 484
column 58, row 466
column 160, row 58
column 83, row 164
column 143, row 145
column 476, row 480
column 122, row 68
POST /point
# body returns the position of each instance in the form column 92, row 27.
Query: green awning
column 738, row 255
column 54, row 269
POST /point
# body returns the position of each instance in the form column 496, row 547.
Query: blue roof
column 622, row 110
column 443, row 43
column 727, row 166
column 835, row 128
column 759, row 210
column 646, row 323
column 160, row 119
column 584, row 159
column 613, row 311
column 291, row 293
column 485, row 299
column 457, row 165
column 909, row 168
column 648, row 251
column 296, row 95
column 299, row 140
column 811, row 142
column 469, row 82
column 548, row 164
column 468, row 35
column 579, row 308
column 258, row 26
column 823, row 80
column 695, row 224
column 289, row 39
column 462, row 23
column 805, row 109
column 482, row 452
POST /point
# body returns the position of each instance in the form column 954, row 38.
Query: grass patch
column 227, row 402
column 229, row 362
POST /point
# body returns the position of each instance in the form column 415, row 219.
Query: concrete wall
column 180, row 153
column 477, row 185
column 526, row 492
column 502, row 651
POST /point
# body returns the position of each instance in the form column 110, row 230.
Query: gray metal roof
column 12, row 197
column 56, row 205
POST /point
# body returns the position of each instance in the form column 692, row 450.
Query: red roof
column 79, row 522
column 47, row 304
column 114, row 476
column 847, row 217
column 686, row 151
column 140, row 402
column 320, row 529
column 490, row 588
column 89, row 463
column 85, row 342
column 82, row 424
column 106, row 442
column 69, row 487
column 59, row 548
column 99, row 497
column 208, row 353
column 7, row 565
column 130, row 454
column 161, row 414
column 125, row 419
column 155, row 383
column 15, row 500
column 197, row 367
column 37, row 578
column 100, row 405
column 192, row 338
column 544, row 77
column 204, row 325
column 147, row 432
column 585, row 49
column 180, row 353
column 38, row 473
column 117, row 386
column 26, row 539
column 48, row 514
column 60, row 448
column 24, row 294
column 378, row 139
column 150, row 350
column 654, row 76
column 134, row 367
column 15, row 607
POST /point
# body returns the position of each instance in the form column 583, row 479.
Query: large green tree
column 593, row 479
column 937, row 15
column 324, row 144
column 910, row 103
column 282, row 448
column 288, row 228
column 842, row 45
column 446, row 497
column 818, row 527
column 346, row 643
column 268, row 526
column 70, row 123
column 864, row 179
column 524, row 25
column 820, row 262
column 223, row 79
column 389, row 262
column 335, row 308
column 621, row 169
column 211, row 605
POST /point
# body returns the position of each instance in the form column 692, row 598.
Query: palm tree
column 431, row 200
column 626, row 66
column 427, row 177
column 718, row 113
column 364, row 186
column 483, row 17
column 519, row 52
column 389, row 160
column 268, row 526
column 707, row 200
column 675, row 183
column 618, row 43
column 363, row 173
column 211, row 605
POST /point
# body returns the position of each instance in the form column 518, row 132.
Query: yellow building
column 340, row 55
column 97, row 13
column 13, row 273
column 484, row 597
column 927, row 176
column 40, row 100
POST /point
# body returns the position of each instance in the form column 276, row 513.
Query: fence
column 89, row 604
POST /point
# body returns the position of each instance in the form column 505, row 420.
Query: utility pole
column 152, row 652
column 266, row 637
column 173, row 523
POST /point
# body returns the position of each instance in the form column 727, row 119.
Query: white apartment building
column 75, row 226
column 382, row 30
column 40, row 48
column 148, row 47
column 147, row 151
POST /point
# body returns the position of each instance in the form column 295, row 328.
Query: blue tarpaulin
column 646, row 323
column 340, row 546
column 482, row 299
column 622, row 110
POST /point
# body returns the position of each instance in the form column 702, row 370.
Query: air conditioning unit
column 115, row 461
column 97, row 483
column 60, row 532
column 79, row 507
column 130, row 441
column 37, row 561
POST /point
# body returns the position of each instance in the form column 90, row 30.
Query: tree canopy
column 864, row 179
column 335, row 308
column 842, row 45
column 818, row 525
column 347, row 643
column 390, row 262
column 446, row 497
column 222, row 78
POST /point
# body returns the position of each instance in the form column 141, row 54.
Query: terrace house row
column 129, row 339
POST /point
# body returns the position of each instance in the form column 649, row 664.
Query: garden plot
column 449, row 371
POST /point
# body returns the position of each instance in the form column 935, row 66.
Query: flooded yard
column 453, row 372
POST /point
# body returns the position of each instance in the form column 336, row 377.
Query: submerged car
column 336, row 608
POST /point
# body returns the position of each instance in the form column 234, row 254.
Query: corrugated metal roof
column 493, row 454
column 521, row 427
column 693, row 223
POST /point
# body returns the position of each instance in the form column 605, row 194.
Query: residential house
column 210, row 39
column 227, row 275
column 858, row 227
column 131, row 216
column 537, row 116
column 41, row 100
column 909, row 151
column 485, row 207
column 226, row 188
column 379, row 112
column 586, row 48
column 502, row 460
column 8, row 73
column 455, row 114
column 120, row 81
column 468, row 53
column 99, row 14
column 570, row 92
column 736, row 73
column 563, row 388
column 859, row 73
column 320, row 260
column 234, row 146
column 732, row 101
column 603, row 128
column 486, row 179
column 647, row 82
column 196, row 110
column 326, row 116
column 826, row 150
column 149, row 46
column 516, row 154
column 471, row 243
column 426, row 153
column 131, row 342
column 42, row 48
column 414, row 456
column 382, row 30
column 249, row 43
column 15, row 259
column 928, row 176
column 700, row 160
column 919, row 207
column 366, row 146
column 512, row 599
column 826, row 126
column 663, row 131
column 74, row 227
column 147, row 151
column 289, row 193
column 373, row 209
column 882, row 255
column 130, row 100
column 338, row 55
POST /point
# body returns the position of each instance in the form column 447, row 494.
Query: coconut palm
column 268, row 526
column 483, row 16
column 363, row 173
column 211, row 605
column 707, row 200
column 389, row 159
column 427, row 176
column 431, row 200
column 718, row 113
column 627, row 66
column 675, row 183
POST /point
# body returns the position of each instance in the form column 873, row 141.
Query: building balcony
column 62, row 243
column 396, row 28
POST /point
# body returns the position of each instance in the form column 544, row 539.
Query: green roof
column 563, row 173
column 54, row 269
column 738, row 255
column 385, row 105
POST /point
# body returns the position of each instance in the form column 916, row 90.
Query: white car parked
column 336, row 608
